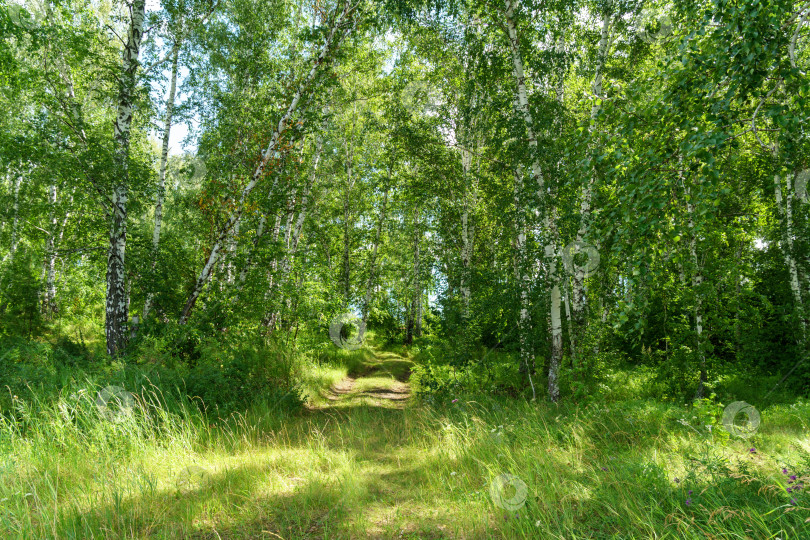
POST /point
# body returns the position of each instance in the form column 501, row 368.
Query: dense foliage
column 543, row 192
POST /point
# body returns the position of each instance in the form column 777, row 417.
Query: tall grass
column 628, row 469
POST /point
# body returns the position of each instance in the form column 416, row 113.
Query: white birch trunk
column 556, row 317
column 522, row 282
column 48, row 303
column 417, row 282
column 785, row 208
column 467, row 234
column 334, row 35
column 346, row 270
column 117, row 305
column 579, row 296
column 697, row 280
column 372, row 264
column 164, row 159
column 522, row 104
column 15, row 221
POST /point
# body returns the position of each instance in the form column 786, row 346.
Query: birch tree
column 117, row 310
column 340, row 26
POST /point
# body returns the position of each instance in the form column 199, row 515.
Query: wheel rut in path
column 381, row 381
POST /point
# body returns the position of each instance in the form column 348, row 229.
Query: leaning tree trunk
column 117, row 308
column 336, row 33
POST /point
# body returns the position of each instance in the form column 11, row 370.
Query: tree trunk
column 372, row 264
column 15, row 221
column 117, row 312
column 522, row 282
column 697, row 280
column 49, row 270
column 346, row 268
column 332, row 40
column 785, row 209
column 579, row 292
column 164, row 159
column 467, row 235
column 556, row 314
column 417, row 282
column 522, row 101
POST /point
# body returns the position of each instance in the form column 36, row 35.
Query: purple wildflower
column 677, row 480
column 793, row 502
column 454, row 400
column 793, row 477
column 604, row 468
column 789, row 490
column 690, row 492
column 753, row 450
column 688, row 502
column 784, row 471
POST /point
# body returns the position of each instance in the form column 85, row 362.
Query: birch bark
column 785, row 208
column 372, row 264
column 697, row 279
column 578, row 296
column 117, row 305
column 15, row 222
column 164, row 159
column 334, row 36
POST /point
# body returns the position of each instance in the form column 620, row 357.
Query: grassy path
column 379, row 382
column 359, row 463
column 364, row 461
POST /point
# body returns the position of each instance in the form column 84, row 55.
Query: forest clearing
column 404, row 269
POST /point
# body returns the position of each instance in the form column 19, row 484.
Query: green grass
column 358, row 464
